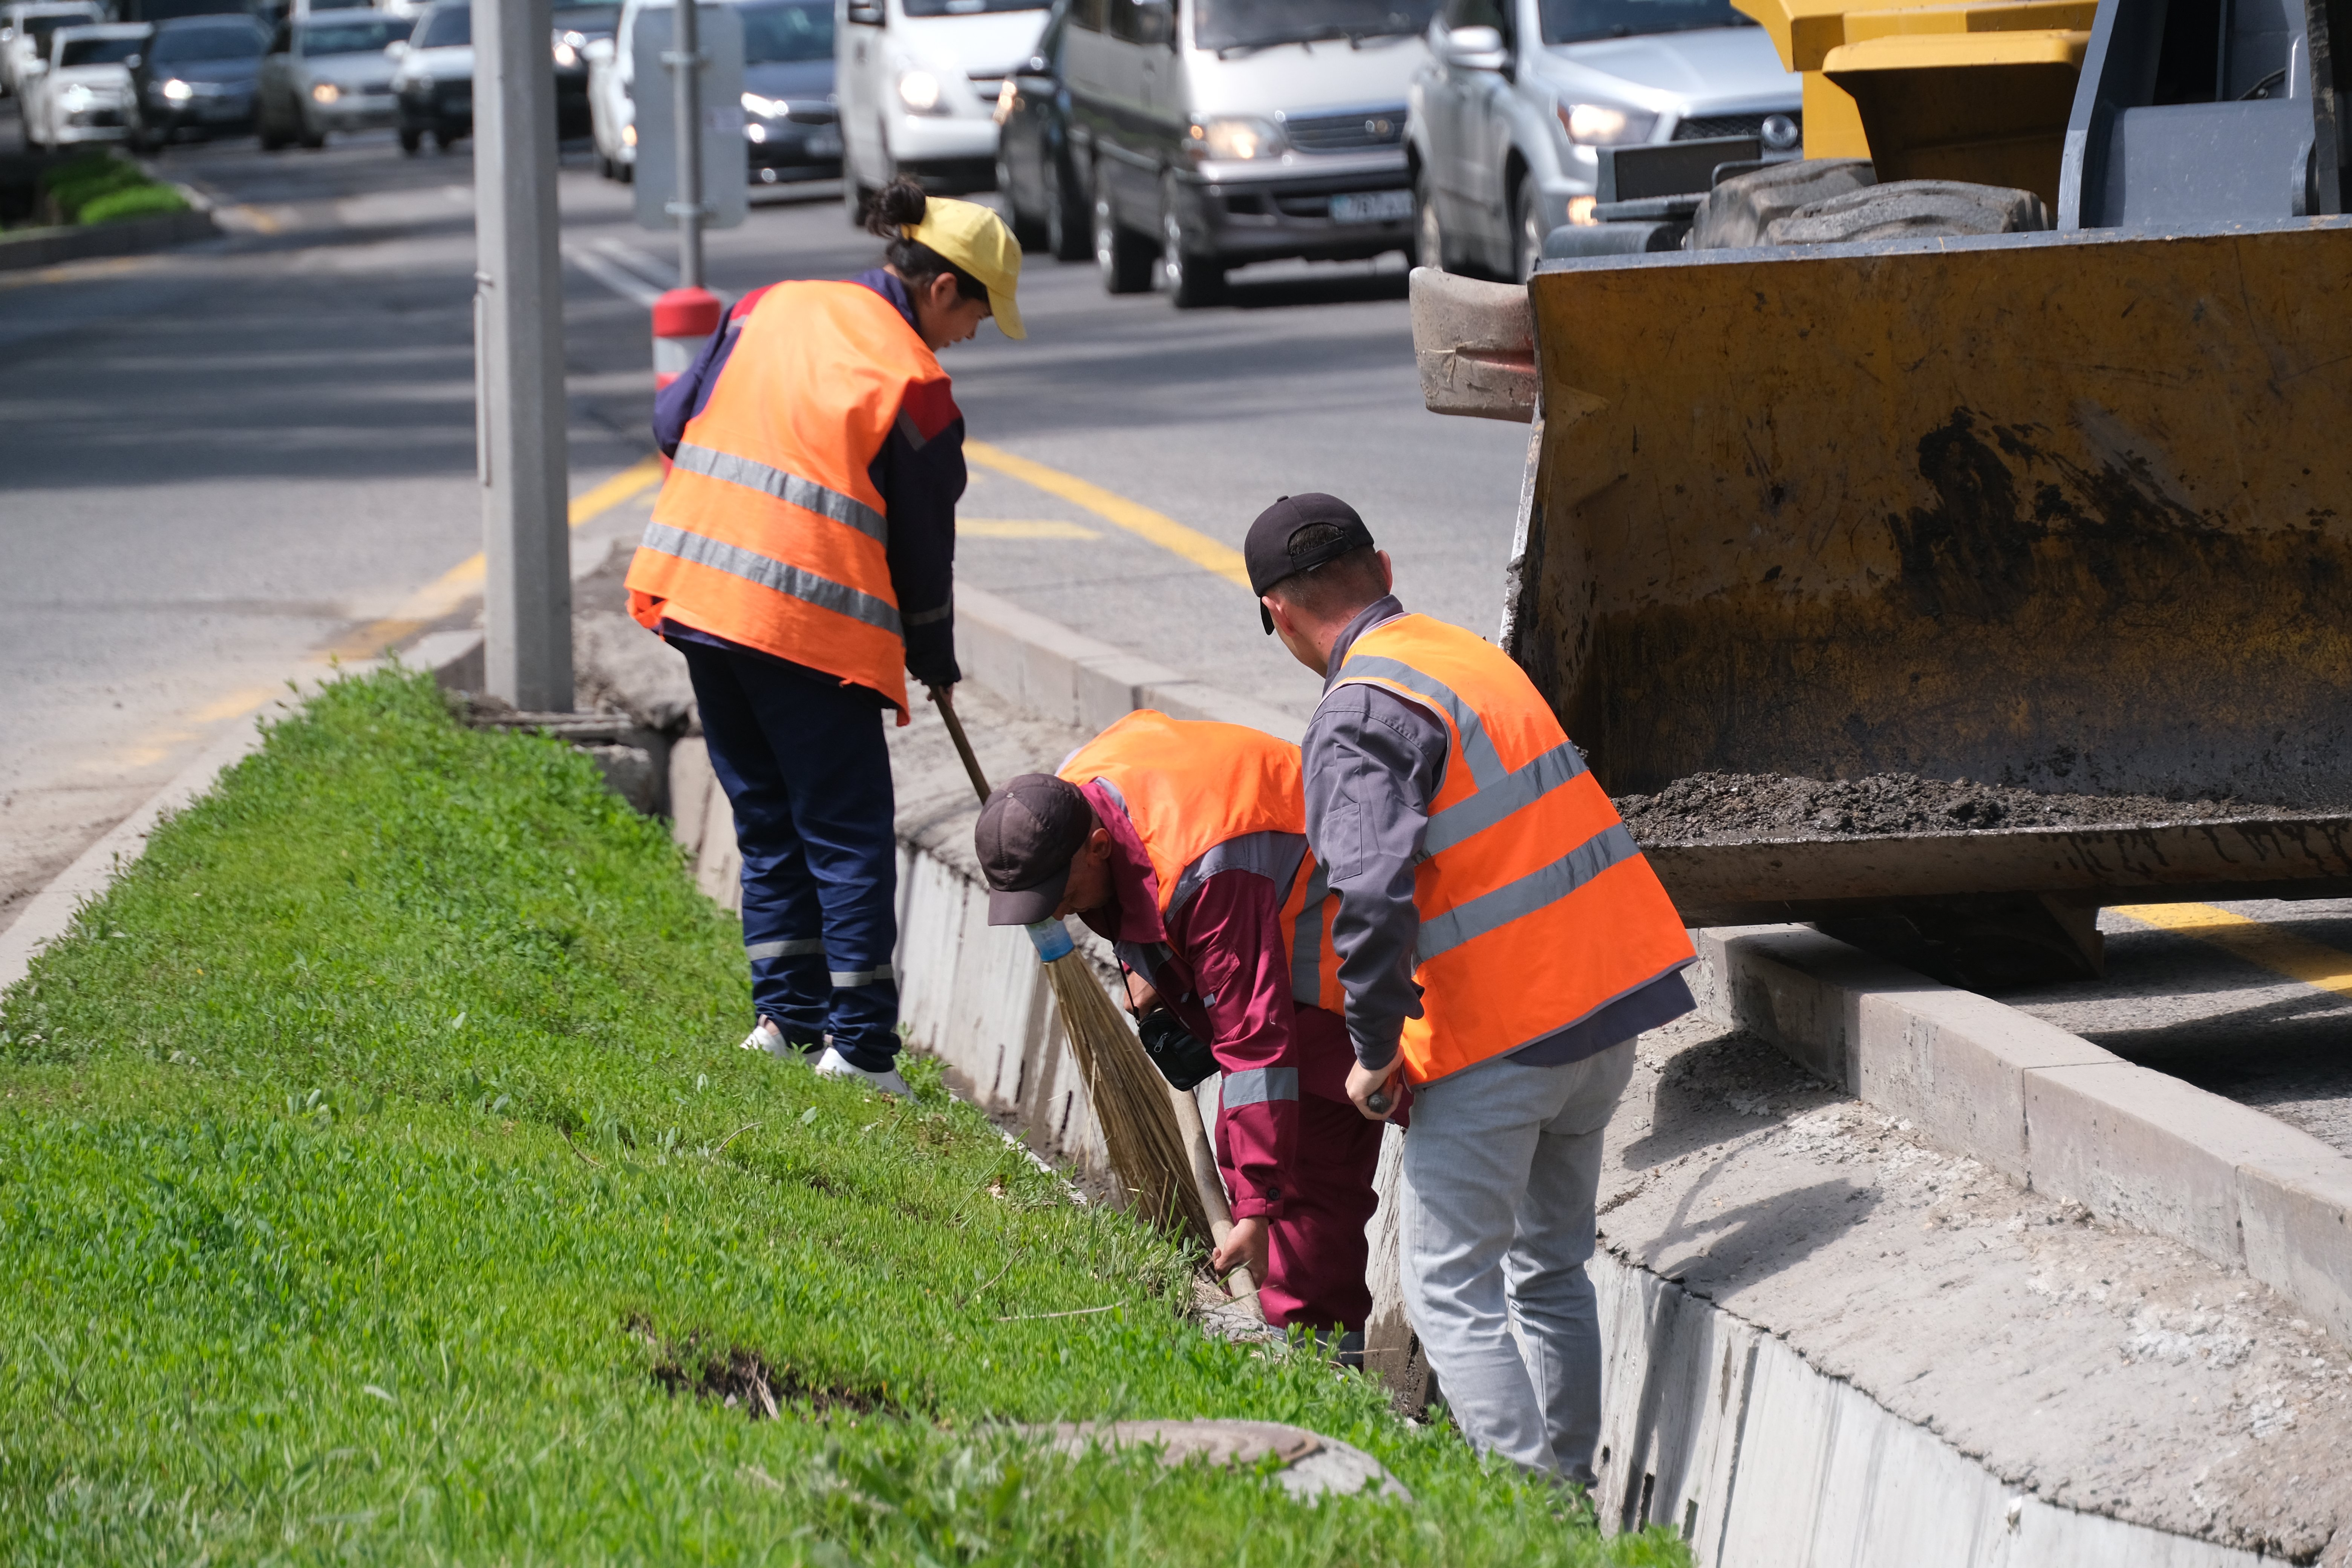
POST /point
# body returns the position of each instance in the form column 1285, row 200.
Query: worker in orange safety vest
column 1501, row 940
column 801, row 557
column 1184, row 844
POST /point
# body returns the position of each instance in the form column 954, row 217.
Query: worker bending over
column 1184, row 844
column 801, row 555
column 1500, row 942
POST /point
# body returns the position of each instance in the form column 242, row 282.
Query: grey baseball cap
column 1028, row 832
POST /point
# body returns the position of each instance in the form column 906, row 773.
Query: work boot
column 833, row 1064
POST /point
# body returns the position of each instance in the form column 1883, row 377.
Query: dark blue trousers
column 803, row 764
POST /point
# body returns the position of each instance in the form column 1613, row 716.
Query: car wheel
column 1192, row 280
column 1027, row 228
column 1125, row 259
column 312, row 136
column 1527, row 232
column 272, row 138
column 1067, row 231
column 854, row 193
column 410, row 139
column 1428, row 238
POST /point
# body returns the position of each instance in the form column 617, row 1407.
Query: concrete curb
column 1050, row 669
column 2050, row 1110
column 48, row 247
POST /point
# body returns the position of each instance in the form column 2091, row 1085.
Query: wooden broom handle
column 944, row 696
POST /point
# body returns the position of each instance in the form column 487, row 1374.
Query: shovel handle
column 944, row 696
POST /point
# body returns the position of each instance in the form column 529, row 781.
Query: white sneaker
column 766, row 1038
column 833, row 1064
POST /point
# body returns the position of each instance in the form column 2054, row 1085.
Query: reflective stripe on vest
column 1536, row 907
column 1207, row 798
column 769, row 531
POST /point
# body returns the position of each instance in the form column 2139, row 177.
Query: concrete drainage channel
column 1889, row 1271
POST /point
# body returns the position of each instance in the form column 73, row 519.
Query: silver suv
column 1517, row 96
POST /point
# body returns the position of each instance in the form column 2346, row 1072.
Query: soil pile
column 1720, row 808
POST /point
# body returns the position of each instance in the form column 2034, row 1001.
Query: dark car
column 435, row 79
column 576, row 28
column 1049, row 204
column 792, row 126
column 194, row 80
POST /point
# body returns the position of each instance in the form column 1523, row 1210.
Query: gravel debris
column 1713, row 808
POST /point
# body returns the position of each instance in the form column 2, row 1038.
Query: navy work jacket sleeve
column 919, row 472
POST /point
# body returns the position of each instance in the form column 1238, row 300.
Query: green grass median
column 379, row 1181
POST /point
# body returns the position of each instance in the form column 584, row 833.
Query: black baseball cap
column 1028, row 832
column 1268, row 551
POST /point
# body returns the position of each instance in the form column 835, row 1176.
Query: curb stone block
column 2297, row 1219
column 2150, row 1151
column 1955, row 1064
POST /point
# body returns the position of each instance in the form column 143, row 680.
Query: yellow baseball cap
column 975, row 238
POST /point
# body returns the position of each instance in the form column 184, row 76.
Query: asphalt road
column 224, row 464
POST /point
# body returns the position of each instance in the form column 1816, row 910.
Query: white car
column 24, row 31
column 917, row 81
column 83, row 94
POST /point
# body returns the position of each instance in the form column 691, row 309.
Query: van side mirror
column 132, row 62
column 599, row 52
column 867, row 13
column 1475, row 50
column 1155, row 22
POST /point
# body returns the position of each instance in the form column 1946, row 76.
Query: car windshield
column 969, row 8
column 96, row 52
column 787, row 34
column 448, row 27
column 181, row 45
column 1258, row 24
column 588, row 21
column 40, row 27
column 1582, row 21
column 352, row 37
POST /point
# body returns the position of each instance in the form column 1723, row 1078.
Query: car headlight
column 177, row 92
column 325, row 92
column 765, row 108
column 1598, row 125
column 919, row 90
column 628, row 135
column 566, row 55
column 75, row 99
column 1237, row 139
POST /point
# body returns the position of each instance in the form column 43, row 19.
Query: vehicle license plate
column 1371, row 206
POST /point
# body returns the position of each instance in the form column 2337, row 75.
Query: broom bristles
column 1129, row 1099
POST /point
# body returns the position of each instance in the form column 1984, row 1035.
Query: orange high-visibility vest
column 1206, row 797
column 1536, row 907
column 769, row 531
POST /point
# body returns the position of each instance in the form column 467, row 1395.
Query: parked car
column 435, row 78
column 1518, row 95
column 917, row 81
column 25, row 32
column 574, row 29
column 194, row 80
column 81, row 96
column 792, row 130
column 161, row 11
column 1225, row 131
column 328, row 73
column 1043, row 192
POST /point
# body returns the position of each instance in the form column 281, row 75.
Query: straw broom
column 1136, row 1107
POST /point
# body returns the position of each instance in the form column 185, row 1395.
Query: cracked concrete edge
column 2050, row 1110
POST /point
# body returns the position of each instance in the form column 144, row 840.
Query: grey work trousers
column 1500, row 1167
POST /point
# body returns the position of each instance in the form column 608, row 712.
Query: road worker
column 1500, row 942
column 801, row 556
column 1183, row 844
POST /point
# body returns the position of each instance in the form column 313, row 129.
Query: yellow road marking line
column 2266, row 946
column 236, row 705
column 1022, row 527
column 445, row 593
column 1117, row 509
column 71, row 271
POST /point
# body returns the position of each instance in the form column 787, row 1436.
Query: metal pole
column 686, row 58
column 518, row 360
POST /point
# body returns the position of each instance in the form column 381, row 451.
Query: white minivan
column 918, row 81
